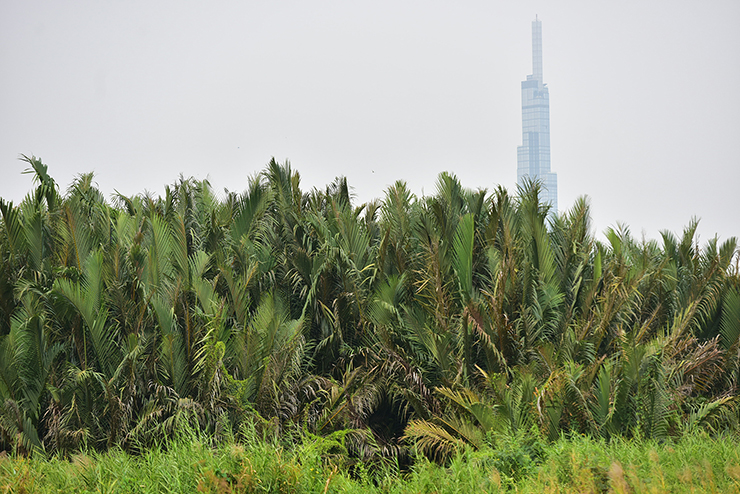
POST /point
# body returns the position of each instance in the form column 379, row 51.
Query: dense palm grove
column 427, row 323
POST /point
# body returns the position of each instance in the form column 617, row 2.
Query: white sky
column 644, row 104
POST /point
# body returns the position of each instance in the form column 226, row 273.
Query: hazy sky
column 644, row 99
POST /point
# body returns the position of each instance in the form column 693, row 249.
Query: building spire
column 533, row 156
column 537, row 49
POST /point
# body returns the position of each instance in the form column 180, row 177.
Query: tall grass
column 695, row 463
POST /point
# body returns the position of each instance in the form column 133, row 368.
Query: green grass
column 695, row 463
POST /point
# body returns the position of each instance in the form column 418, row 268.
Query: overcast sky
column 644, row 99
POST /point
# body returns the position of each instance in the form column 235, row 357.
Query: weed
column 513, row 463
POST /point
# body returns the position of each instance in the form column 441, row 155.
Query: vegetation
column 692, row 464
column 441, row 325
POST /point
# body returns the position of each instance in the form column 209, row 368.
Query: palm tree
column 445, row 320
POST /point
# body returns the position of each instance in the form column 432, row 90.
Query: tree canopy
column 429, row 322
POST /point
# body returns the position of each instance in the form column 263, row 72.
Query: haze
column 644, row 109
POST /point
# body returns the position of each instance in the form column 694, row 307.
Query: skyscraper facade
column 533, row 156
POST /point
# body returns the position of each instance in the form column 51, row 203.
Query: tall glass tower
column 533, row 156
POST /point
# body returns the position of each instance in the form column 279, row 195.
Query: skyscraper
column 533, row 156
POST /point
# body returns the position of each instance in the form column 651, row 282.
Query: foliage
column 456, row 322
column 695, row 463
